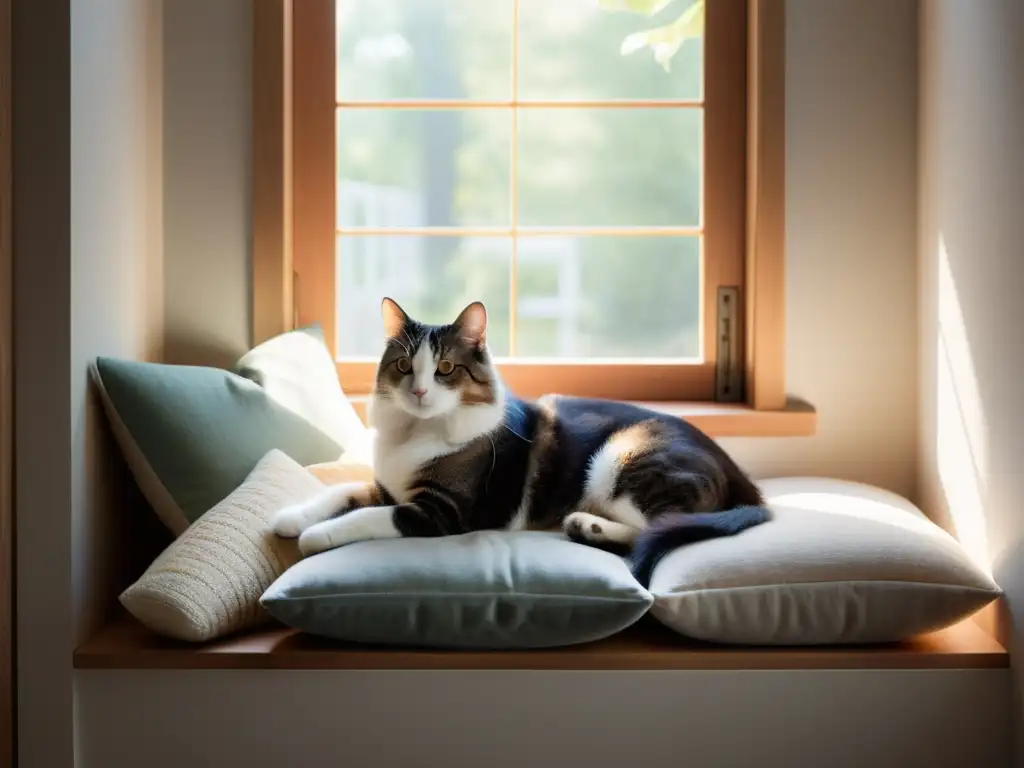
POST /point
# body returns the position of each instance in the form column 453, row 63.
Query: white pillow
column 209, row 580
column 297, row 371
column 840, row 562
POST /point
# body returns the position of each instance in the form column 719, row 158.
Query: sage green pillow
column 483, row 590
column 192, row 434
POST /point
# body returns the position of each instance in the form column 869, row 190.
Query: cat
column 456, row 452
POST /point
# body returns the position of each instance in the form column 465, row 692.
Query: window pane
column 610, row 167
column 587, row 297
column 424, row 49
column 569, row 49
column 414, row 167
column 433, row 278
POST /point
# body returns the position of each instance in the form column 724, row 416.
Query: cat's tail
column 672, row 530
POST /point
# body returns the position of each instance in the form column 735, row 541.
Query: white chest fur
column 397, row 463
column 405, row 444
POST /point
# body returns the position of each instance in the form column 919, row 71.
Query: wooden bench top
column 126, row 644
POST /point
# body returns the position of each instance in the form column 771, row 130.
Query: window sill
column 797, row 419
column 126, row 644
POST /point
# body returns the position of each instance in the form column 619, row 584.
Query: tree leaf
column 642, row 7
column 665, row 41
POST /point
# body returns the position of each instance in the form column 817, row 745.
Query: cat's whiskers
column 408, row 350
column 494, row 461
column 506, row 426
column 405, row 349
column 524, row 439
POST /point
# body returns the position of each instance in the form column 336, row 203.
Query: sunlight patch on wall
column 961, row 428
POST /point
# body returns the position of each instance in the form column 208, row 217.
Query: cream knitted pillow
column 208, row 582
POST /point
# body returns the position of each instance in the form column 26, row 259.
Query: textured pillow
column 296, row 370
column 208, row 582
column 840, row 562
column 191, row 434
column 487, row 589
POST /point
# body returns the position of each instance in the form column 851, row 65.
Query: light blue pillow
column 483, row 590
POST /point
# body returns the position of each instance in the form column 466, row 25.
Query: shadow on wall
column 120, row 536
column 189, row 349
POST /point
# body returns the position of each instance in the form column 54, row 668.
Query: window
column 601, row 205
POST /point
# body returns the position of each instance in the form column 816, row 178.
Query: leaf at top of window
column 666, row 40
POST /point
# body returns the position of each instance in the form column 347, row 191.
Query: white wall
column 851, row 89
column 90, row 282
column 116, row 256
column 972, row 275
column 851, row 207
column 207, row 156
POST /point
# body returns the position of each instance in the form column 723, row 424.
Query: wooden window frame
column 294, row 234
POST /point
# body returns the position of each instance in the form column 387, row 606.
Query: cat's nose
column 419, row 392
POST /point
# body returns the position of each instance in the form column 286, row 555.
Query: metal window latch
column 728, row 366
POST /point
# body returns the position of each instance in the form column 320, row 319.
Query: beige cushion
column 208, row 582
column 840, row 562
column 344, row 470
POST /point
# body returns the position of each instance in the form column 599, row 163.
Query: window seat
column 126, row 644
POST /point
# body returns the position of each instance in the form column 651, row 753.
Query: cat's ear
column 472, row 324
column 394, row 317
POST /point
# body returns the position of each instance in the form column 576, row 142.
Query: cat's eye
column 444, row 367
column 404, row 364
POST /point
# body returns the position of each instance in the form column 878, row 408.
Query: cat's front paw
column 360, row 525
column 291, row 521
column 315, row 540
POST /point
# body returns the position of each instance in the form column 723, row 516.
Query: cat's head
column 429, row 371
